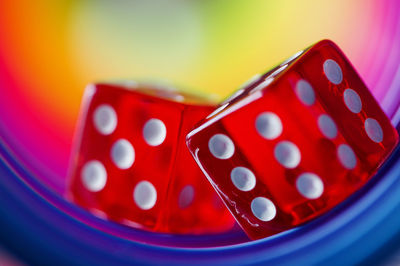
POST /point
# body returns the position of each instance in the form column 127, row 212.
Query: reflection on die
column 130, row 163
column 294, row 142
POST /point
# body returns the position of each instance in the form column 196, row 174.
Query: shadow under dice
column 293, row 143
column 131, row 165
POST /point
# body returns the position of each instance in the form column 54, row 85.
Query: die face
column 226, row 149
column 353, row 104
column 135, row 152
column 128, row 156
column 292, row 148
column 345, row 97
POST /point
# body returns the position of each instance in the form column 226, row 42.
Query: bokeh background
column 50, row 50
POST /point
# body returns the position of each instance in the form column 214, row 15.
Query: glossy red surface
column 131, row 164
column 309, row 133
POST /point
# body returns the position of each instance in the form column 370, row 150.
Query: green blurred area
column 211, row 46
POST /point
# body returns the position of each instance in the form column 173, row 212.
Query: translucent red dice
column 294, row 143
column 131, row 164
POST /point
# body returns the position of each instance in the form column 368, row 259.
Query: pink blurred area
column 51, row 50
column 6, row 259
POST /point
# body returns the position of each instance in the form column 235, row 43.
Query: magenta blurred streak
column 379, row 71
column 386, row 84
column 390, row 78
column 28, row 139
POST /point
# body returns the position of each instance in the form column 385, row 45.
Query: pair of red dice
column 289, row 146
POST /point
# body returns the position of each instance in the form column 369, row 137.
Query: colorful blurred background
column 50, row 50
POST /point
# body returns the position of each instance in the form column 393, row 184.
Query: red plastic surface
column 309, row 133
column 145, row 178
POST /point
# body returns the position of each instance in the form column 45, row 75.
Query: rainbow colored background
column 49, row 51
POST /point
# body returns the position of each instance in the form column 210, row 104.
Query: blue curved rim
column 41, row 228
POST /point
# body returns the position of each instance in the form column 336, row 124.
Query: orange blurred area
column 51, row 50
column 56, row 48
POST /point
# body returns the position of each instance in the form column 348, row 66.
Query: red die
column 294, row 143
column 131, row 163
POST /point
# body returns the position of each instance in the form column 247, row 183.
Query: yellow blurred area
column 207, row 46
column 212, row 46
